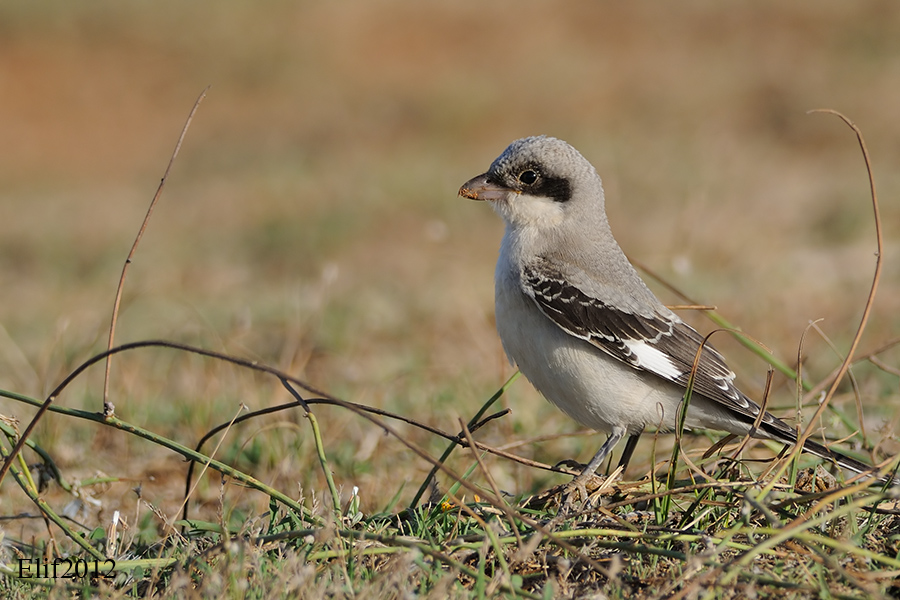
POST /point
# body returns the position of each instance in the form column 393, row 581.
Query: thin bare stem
column 489, row 478
column 205, row 466
column 107, row 407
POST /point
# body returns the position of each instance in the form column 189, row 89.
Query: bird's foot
column 587, row 488
column 580, row 493
column 584, row 489
column 574, row 496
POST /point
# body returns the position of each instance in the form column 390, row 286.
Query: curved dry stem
column 143, row 344
column 324, row 398
column 879, row 254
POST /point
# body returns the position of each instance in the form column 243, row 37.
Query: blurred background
column 312, row 221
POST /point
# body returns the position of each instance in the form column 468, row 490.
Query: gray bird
column 581, row 325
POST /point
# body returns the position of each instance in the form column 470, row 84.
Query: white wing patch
column 653, row 359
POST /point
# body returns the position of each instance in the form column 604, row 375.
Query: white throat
column 522, row 210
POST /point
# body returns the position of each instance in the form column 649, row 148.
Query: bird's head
column 539, row 181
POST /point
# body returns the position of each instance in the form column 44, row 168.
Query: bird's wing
column 657, row 343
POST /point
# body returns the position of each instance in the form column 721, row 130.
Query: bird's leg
column 579, row 482
column 630, row 445
column 605, row 449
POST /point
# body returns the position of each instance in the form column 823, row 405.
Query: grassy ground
column 311, row 224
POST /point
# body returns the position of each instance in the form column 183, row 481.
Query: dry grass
column 311, row 223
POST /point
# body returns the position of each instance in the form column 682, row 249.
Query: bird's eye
column 528, row 176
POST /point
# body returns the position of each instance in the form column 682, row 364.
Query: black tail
column 788, row 436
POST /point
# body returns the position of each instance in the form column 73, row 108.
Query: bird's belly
column 591, row 387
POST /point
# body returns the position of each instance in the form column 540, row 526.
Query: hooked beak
column 479, row 188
